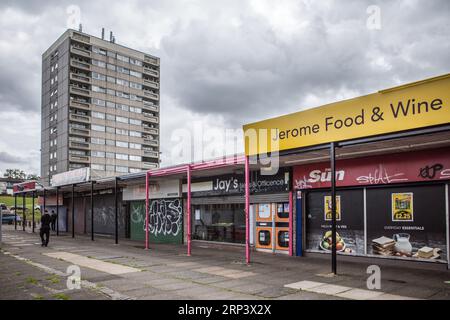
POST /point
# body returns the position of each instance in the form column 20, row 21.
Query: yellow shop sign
column 416, row 105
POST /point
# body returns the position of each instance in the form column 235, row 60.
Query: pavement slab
column 165, row 272
column 91, row 263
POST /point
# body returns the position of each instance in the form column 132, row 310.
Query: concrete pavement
column 127, row 271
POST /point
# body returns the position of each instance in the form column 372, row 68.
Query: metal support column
column 333, row 207
column 116, row 212
column 44, row 207
column 15, row 211
column 32, row 210
column 189, row 226
column 291, row 224
column 147, row 188
column 73, row 211
column 24, row 217
column 57, row 211
column 247, row 210
column 92, row 210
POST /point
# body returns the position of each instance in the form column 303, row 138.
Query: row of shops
column 374, row 184
column 392, row 206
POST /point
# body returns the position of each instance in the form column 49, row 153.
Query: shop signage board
column 71, row 177
column 25, row 186
column 234, row 184
column 419, row 166
column 412, row 106
column 158, row 190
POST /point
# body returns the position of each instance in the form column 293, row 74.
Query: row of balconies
column 85, row 39
column 87, row 146
column 151, row 84
column 151, row 94
column 81, row 38
column 78, row 64
column 152, row 72
column 80, row 132
column 79, row 145
column 87, row 106
column 80, row 51
column 79, row 77
column 149, row 165
column 151, row 60
column 149, row 153
column 87, row 159
column 87, row 66
column 80, row 91
column 80, row 104
column 151, row 118
column 79, row 118
column 87, row 132
column 78, row 158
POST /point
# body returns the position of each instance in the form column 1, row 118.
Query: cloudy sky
column 225, row 63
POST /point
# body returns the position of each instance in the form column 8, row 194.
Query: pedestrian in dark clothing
column 53, row 223
column 45, row 228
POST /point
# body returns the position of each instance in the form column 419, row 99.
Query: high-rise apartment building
column 100, row 107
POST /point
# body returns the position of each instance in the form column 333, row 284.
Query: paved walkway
column 127, row 271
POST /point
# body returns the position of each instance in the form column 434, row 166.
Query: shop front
column 395, row 212
column 393, row 206
column 50, row 206
column 165, row 211
column 218, row 207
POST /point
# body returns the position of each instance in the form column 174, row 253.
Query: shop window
column 283, row 210
column 264, row 237
column 283, row 239
column 219, row 222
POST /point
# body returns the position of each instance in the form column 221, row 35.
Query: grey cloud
column 244, row 74
column 8, row 158
column 229, row 61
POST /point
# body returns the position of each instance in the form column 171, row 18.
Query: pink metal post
column 189, row 210
column 247, row 210
column 147, row 188
column 291, row 227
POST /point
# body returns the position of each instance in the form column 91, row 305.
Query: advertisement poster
column 264, row 211
column 350, row 224
column 402, row 207
column 327, row 208
column 407, row 222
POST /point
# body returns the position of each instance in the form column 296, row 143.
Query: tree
column 14, row 174
column 32, row 176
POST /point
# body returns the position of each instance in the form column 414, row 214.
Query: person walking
column 53, row 221
column 45, row 228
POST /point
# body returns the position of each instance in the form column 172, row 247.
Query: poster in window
column 197, row 215
column 327, row 208
column 407, row 222
column 264, row 211
column 402, row 207
column 349, row 227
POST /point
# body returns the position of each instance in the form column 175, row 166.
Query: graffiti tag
column 381, row 176
column 430, row 172
column 165, row 217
